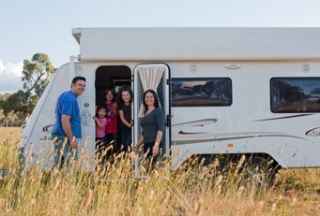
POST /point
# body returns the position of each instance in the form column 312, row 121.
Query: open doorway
column 111, row 77
column 109, row 80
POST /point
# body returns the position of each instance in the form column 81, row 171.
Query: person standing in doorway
column 101, row 124
column 66, row 131
column 112, row 116
column 125, row 118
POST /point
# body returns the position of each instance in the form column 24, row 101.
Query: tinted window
column 295, row 94
column 201, row 92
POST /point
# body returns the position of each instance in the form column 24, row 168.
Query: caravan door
column 156, row 77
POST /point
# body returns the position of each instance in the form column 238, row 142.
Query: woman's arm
column 140, row 141
column 124, row 121
column 158, row 138
column 156, row 146
column 160, row 126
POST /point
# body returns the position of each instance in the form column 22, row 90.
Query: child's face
column 102, row 113
column 126, row 96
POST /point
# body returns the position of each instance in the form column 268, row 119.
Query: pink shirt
column 101, row 127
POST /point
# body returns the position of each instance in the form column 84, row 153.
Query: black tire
column 263, row 169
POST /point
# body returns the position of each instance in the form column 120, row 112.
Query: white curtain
column 150, row 78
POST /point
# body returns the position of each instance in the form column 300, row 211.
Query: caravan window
column 201, row 92
column 295, row 95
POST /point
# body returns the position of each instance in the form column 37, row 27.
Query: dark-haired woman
column 152, row 123
column 125, row 118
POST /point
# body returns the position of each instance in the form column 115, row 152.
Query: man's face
column 79, row 87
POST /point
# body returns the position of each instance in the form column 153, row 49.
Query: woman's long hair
column 156, row 101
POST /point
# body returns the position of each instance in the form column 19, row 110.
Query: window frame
column 288, row 77
column 200, row 79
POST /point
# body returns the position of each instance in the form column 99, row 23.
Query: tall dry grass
column 194, row 190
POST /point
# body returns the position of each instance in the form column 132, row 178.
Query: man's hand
column 74, row 143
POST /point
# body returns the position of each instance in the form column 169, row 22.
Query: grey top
column 151, row 124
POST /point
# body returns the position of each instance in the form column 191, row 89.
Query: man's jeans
column 63, row 153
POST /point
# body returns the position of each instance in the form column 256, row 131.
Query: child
column 125, row 118
column 101, row 124
column 112, row 118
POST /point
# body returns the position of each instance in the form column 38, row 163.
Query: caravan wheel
column 261, row 169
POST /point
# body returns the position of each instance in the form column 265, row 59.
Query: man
column 66, row 131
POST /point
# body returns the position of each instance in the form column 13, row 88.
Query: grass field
column 114, row 191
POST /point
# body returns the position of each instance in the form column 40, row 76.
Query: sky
column 30, row 26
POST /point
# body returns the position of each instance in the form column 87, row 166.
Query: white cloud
column 1, row 66
column 10, row 76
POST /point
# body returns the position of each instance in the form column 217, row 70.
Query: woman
column 152, row 123
column 125, row 101
column 112, row 119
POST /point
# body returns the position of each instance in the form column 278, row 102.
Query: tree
column 36, row 74
column 2, row 118
column 18, row 102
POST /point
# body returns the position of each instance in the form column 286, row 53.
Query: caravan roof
column 192, row 43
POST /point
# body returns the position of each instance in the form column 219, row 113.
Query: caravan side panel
column 247, row 124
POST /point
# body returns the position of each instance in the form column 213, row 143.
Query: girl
column 125, row 118
column 112, row 119
column 101, row 123
column 152, row 123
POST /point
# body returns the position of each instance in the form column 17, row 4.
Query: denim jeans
column 63, row 153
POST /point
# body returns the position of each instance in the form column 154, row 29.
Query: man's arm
column 65, row 120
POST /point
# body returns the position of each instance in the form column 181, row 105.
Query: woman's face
column 126, row 97
column 149, row 99
column 109, row 96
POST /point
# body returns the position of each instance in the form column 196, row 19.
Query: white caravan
column 223, row 90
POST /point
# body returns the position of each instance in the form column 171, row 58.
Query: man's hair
column 77, row 78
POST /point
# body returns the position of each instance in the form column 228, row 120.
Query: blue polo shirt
column 67, row 104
